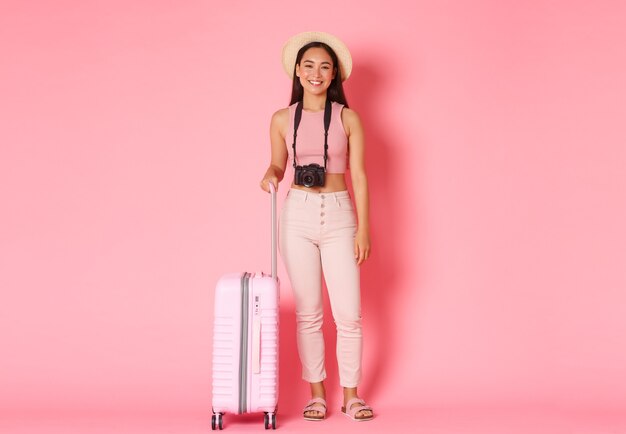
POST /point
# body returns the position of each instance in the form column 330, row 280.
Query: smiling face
column 316, row 70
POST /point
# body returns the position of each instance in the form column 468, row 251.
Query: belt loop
column 306, row 195
column 337, row 200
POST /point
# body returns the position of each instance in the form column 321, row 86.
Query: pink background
column 133, row 135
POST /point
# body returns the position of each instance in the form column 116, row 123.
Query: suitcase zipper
column 243, row 350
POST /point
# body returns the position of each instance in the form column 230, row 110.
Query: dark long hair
column 335, row 90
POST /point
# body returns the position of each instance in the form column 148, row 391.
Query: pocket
column 345, row 203
column 293, row 202
column 293, row 207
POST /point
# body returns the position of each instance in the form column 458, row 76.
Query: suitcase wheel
column 270, row 420
column 217, row 421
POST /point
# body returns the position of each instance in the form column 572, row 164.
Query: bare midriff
column 334, row 182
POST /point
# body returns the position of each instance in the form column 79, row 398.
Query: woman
column 318, row 227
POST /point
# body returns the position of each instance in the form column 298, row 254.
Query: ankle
column 349, row 393
column 318, row 390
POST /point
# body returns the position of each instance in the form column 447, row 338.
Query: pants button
column 322, row 222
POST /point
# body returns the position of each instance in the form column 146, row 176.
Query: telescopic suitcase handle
column 274, row 235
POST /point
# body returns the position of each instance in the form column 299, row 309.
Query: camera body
column 311, row 175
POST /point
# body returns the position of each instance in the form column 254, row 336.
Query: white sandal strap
column 312, row 402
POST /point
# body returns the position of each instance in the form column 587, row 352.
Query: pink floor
column 395, row 420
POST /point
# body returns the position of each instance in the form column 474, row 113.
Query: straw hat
column 293, row 45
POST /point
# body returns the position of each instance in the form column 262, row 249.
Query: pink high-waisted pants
column 317, row 233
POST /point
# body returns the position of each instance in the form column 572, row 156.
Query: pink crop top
column 310, row 140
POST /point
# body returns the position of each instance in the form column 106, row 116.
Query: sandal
column 310, row 407
column 352, row 411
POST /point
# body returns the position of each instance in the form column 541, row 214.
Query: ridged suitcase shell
column 245, row 344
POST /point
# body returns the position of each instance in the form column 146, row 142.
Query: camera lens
column 308, row 179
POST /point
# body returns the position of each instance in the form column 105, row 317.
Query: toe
column 363, row 414
column 313, row 412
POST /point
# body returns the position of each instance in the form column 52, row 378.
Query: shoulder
column 281, row 117
column 280, row 121
column 350, row 114
column 350, row 119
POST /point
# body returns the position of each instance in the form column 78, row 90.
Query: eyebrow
column 310, row 61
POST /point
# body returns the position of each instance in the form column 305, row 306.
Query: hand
column 266, row 181
column 361, row 246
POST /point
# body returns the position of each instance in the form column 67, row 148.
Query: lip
column 315, row 82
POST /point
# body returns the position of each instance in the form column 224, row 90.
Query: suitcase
column 245, row 342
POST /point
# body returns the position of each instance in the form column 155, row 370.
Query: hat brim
column 293, row 45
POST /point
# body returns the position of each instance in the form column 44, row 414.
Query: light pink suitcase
column 245, row 342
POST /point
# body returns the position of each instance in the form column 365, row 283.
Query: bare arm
column 356, row 142
column 278, row 162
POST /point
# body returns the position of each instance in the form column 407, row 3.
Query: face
column 315, row 70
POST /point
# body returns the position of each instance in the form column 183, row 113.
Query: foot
column 315, row 409
column 364, row 413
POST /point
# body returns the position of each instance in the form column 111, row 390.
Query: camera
column 310, row 175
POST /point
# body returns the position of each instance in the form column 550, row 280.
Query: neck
column 313, row 102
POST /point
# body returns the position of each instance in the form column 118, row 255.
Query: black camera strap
column 296, row 123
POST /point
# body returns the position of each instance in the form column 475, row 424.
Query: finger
column 356, row 250
column 365, row 255
column 360, row 257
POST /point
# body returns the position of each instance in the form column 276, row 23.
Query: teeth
column 315, row 82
